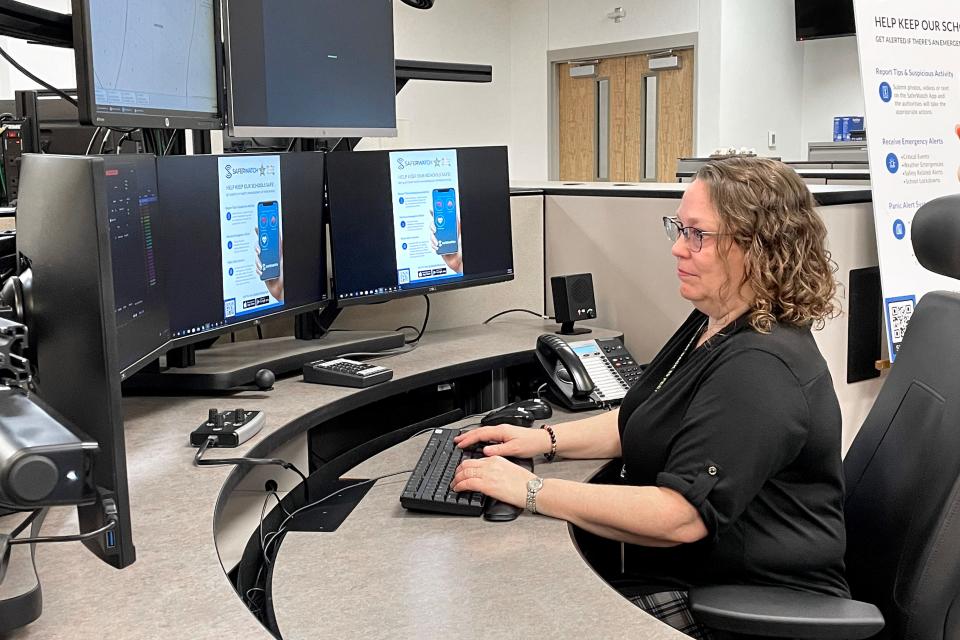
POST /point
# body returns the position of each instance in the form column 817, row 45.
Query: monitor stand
column 233, row 366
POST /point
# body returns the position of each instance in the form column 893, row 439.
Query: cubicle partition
column 616, row 234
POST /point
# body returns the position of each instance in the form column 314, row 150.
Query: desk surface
column 399, row 574
column 177, row 588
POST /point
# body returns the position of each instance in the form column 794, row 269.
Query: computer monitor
column 64, row 236
column 412, row 222
column 133, row 210
column 303, row 68
column 143, row 63
column 242, row 239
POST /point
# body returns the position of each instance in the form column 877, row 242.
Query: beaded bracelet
column 553, row 443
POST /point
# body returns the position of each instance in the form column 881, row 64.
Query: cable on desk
column 426, row 318
column 280, row 530
column 109, row 508
column 376, row 355
column 542, row 316
column 199, row 462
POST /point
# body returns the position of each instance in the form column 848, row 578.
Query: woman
column 731, row 439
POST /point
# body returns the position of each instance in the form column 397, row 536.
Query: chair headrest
column 936, row 235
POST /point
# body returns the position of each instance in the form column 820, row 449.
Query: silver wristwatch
column 533, row 488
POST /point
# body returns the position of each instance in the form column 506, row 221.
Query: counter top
column 177, row 588
column 400, row 574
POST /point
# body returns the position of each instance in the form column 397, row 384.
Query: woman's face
column 704, row 273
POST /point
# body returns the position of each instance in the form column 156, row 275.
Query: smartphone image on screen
column 268, row 227
column 445, row 220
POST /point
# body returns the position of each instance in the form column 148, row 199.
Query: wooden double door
column 625, row 122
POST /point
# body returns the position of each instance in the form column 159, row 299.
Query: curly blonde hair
column 767, row 210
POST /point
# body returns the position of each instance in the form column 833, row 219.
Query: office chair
column 902, row 503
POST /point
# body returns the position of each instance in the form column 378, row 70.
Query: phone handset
column 567, row 376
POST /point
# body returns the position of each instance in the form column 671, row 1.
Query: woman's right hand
column 517, row 442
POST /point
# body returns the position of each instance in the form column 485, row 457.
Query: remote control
column 345, row 373
column 230, row 428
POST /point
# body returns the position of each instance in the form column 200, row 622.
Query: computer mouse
column 509, row 415
column 496, row 511
column 539, row 408
column 521, row 414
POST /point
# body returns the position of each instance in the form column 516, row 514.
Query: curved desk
column 391, row 573
column 178, row 587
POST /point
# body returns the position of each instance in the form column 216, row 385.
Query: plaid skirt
column 673, row 608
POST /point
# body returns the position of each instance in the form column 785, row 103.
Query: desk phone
column 587, row 373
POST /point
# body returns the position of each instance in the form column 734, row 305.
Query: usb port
column 111, row 539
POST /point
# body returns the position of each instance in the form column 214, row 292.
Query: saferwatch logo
column 403, row 164
column 263, row 170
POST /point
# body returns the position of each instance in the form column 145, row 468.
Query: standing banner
column 909, row 64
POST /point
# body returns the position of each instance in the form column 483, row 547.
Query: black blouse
column 747, row 429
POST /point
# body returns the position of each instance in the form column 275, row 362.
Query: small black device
column 230, row 428
column 428, row 488
column 342, row 372
column 522, row 414
column 588, row 373
column 573, row 301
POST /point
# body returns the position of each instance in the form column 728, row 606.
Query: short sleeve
column 747, row 420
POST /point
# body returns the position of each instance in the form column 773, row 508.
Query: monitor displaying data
column 133, row 214
column 143, row 63
column 413, row 222
column 309, row 68
column 242, row 238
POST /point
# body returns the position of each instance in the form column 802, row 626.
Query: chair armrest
column 783, row 613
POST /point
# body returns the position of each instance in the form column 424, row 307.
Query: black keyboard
column 428, row 488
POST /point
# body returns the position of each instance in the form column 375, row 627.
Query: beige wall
column 620, row 241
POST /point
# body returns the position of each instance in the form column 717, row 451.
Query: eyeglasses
column 692, row 235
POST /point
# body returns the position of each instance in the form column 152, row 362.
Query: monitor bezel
column 417, row 291
column 86, row 86
column 250, row 131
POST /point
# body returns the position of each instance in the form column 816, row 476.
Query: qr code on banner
column 229, row 308
column 403, row 276
column 899, row 311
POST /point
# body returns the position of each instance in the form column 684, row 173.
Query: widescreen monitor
column 143, row 63
column 417, row 221
column 242, row 239
column 310, row 68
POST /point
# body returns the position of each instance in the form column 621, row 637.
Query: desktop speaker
column 573, row 300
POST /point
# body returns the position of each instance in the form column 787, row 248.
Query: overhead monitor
column 143, row 63
column 242, row 239
column 303, row 68
column 817, row 19
column 412, row 222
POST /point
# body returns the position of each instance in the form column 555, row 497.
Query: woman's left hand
column 495, row 477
